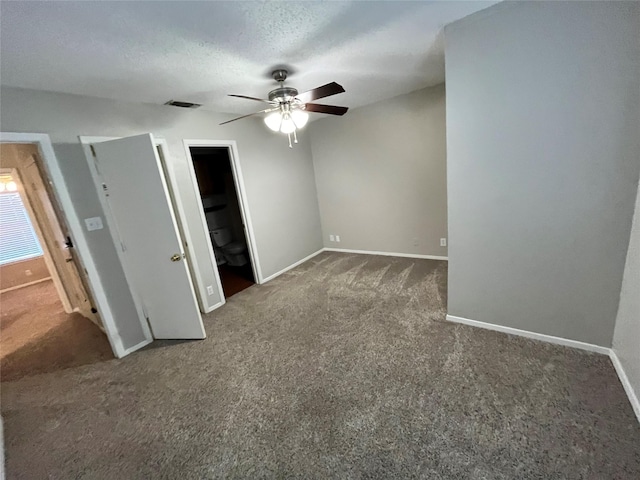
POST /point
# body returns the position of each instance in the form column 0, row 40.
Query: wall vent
column 177, row 103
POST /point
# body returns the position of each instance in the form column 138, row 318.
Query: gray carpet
column 341, row 368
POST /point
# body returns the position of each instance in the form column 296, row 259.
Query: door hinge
column 93, row 151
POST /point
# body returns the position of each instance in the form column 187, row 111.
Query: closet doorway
column 225, row 216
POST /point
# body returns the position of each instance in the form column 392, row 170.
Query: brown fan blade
column 250, row 115
column 330, row 109
column 252, row 98
column 324, row 91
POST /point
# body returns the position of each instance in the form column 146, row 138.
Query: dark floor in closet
column 235, row 279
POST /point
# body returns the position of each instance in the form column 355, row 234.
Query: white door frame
column 194, row 267
column 54, row 174
column 242, row 200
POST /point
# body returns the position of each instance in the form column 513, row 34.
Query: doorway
column 48, row 321
column 222, row 206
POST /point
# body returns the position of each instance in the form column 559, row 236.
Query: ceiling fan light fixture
column 300, row 118
column 273, row 121
column 288, row 125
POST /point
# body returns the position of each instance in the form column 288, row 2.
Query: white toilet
column 218, row 221
column 234, row 252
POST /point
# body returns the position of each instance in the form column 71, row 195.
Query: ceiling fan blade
column 252, row 98
column 249, row 115
column 324, row 91
column 330, row 109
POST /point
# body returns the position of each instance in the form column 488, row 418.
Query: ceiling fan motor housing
column 282, row 94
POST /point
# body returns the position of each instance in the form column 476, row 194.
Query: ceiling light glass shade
column 300, row 118
column 288, row 126
column 273, row 121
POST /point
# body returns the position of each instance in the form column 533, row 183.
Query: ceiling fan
column 287, row 111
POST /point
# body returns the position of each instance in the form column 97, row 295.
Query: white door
column 152, row 252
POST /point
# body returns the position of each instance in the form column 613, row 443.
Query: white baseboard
column 294, row 265
column 138, row 346
column 216, row 306
column 344, row 250
column 25, row 285
column 388, row 254
column 533, row 335
column 626, row 384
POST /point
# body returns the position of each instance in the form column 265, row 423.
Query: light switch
column 93, row 223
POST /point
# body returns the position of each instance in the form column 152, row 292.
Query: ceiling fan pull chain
column 295, row 137
column 289, row 135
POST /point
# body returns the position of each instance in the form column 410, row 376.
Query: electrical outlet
column 443, row 242
column 28, row 273
column 337, row 238
column 210, row 289
column 332, row 238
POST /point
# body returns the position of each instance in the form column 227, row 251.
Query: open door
column 143, row 222
column 58, row 243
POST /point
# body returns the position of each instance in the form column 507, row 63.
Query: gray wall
column 626, row 338
column 279, row 181
column 543, row 111
column 381, row 175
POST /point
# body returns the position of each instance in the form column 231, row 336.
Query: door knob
column 176, row 257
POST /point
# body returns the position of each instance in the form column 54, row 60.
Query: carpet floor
column 343, row 367
column 37, row 336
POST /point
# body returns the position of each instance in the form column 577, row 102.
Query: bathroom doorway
column 222, row 207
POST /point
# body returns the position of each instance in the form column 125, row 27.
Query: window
column 18, row 240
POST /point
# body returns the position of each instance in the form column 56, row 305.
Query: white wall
column 381, row 175
column 543, row 115
column 626, row 338
column 279, row 181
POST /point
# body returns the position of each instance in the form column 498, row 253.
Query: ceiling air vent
column 177, row 103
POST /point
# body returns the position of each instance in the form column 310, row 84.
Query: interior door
column 58, row 244
column 151, row 248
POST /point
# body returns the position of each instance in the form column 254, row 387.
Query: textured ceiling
column 200, row 51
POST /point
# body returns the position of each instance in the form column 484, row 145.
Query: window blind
column 18, row 240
